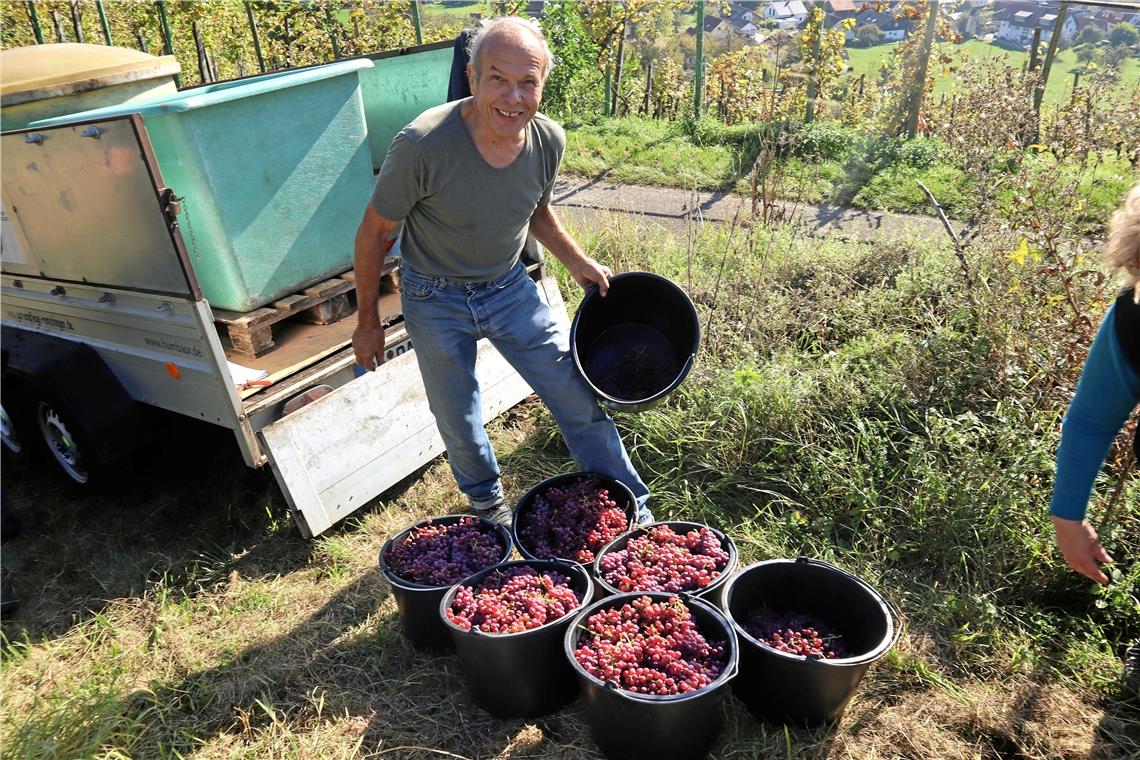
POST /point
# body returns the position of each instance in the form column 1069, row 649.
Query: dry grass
column 291, row 649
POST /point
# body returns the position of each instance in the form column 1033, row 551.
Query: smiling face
column 508, row 88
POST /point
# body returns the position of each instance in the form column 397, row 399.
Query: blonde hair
column 1123, row 249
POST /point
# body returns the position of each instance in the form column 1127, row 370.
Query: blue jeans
column 445, row 318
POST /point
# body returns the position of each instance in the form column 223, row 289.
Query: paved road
column 673, row 208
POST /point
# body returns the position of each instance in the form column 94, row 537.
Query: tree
column 868, row 35
column 1124, row 34
column 1090, row 35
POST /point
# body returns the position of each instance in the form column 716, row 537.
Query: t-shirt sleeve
column 402, row 180
column 557, row 147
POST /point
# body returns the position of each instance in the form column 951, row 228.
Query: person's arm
column 1106, row 394
column 547, row 229
column 368, row 337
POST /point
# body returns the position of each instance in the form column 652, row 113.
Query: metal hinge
column 171, row 205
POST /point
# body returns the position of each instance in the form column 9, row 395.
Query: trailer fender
column 74, row 376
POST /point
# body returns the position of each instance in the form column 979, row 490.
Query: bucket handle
column 897, row 619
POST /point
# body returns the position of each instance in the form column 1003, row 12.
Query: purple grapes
column 441, row 555
column 573, row 521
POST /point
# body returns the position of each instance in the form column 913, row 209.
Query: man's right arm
column 371, row 238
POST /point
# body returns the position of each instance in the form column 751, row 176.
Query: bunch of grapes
column 513, row 600
column 441, row 555
column 794, row 633
column 663, row 560
column 572, row 521
column 650, row 647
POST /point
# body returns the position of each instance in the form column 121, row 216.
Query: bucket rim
column 874, row 654
column 720, row 581
column 569, row 565
column 727, row 674
column 634, row 405
column 504, row 535
column 630, row 507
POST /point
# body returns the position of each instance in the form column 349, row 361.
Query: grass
column 868, row 61
column 849, row 402
column 651, row 152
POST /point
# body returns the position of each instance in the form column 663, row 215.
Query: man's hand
column 368, row 346
column 588, row 271
column 1079, row 543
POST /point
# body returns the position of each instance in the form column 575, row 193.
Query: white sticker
column 11, row 250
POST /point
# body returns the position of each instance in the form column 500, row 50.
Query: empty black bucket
column 787, row 688
column 631, row 726
column 618, row 492
column 712, row 593
column 634, row 346
column 519, row 675
column 417, row 604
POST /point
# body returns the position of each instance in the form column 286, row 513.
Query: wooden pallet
column 251, row 332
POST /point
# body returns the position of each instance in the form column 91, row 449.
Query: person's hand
column 1079, row 543
column 591, row 272
column 368, row 346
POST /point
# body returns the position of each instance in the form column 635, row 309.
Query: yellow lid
column 50, row 71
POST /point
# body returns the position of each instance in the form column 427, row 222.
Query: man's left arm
column 547, row 229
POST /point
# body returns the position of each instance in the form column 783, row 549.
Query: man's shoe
column 644, row 516
column 500, row 514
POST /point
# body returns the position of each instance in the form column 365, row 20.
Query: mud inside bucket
column 786, row 688
column 519, row 675
column 635, row 346
column 417, row 604
column 633, row 726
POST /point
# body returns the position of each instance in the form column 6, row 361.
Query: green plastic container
column 274, row 171
column 399, row 87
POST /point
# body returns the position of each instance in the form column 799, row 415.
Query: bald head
column 510, row 30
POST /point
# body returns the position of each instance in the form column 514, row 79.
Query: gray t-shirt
column 464, row 219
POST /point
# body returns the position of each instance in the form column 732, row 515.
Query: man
column 469, row 179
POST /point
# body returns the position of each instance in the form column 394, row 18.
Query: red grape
column 650, row 647
column 794, row 633
column 663, row 560
column 513, row 600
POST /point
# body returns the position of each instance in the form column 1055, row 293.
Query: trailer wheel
column 61, row 436
column 12, row 440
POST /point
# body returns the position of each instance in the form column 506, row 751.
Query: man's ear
column 472, row 80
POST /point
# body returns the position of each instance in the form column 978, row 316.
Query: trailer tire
column 10, row 437
column 62, row 437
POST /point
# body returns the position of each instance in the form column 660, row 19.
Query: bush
column 827, row 141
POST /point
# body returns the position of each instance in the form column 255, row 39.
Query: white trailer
column 102, row 317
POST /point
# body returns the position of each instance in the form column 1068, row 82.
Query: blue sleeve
column 1106, row 394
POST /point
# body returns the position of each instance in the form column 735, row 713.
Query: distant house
column 787, row 15
column 1016, row 28
column 741, row 14
column 838, row 10
column 893, row 29
column 715, row 26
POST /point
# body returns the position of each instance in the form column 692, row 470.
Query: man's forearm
column 369, row 262
column 547, row 229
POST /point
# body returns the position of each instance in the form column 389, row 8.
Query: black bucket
column 417, row 604
column 806, row 691
column 712, row 593
column 519, row 675
column 634, row 346
column 619, row 492
column 628, row 725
